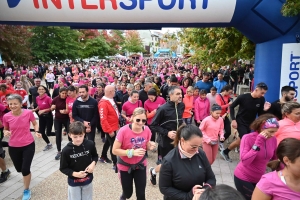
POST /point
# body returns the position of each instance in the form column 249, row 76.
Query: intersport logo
column 13, row 3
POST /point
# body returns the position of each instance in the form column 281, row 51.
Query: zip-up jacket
column 253, row 163
column 202, row 109
column 179, row 174
column 168, row 117
column 78, row 158
column 109, row 119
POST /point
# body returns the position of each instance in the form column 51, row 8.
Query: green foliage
column 95, row 47
column 55, row 43
column 291, row 8
column 14, row 43
column 216, row 45
column 133, row 42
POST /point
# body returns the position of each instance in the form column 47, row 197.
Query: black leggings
column 45, row 123
column 227, row 127
column 140, row 180
column 91, row 135
column 109, row 143
column 22, row 157
column 50, row 85
column 58, row 125
column 244, row 187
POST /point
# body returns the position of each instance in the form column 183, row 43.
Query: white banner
column 290, row 67
column 118, row 11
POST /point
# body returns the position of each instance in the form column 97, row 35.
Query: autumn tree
column 115, row 40
column 15, row 44
column 170, row 41
column 216, row 45
column 133, row 42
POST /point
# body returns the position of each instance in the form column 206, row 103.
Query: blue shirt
column 219, row 85
column 204, row 85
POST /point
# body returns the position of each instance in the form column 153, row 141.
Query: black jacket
column 86, row 111
column 168, row 117
column 119, row 98
column 78, row 158
column 178, row 175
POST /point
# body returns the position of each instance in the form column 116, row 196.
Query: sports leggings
column 22, row 157
column 58, row 125
column 140, row 180
column 244, row 187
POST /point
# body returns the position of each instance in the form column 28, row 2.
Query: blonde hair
column 139, row 111
column 190, row 88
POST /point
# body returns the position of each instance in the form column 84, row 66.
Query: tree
column 55, row 43
column 170, row 41
column 133, row 42
column 14, row 43
column 115, row 40
column 291, row 8
column 216, row 45
column 95, row 47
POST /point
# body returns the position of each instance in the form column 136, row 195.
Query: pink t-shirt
column 2, row 108
column 92, row 91
column 69, row 102
column 43, row 102
column 129, row 107
column 150, row 106
column 131, row 140
column 271, row 185
column 19, row 127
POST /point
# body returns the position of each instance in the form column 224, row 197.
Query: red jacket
column 109, row 119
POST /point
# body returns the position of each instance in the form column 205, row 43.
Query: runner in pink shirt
column 72, row 96
column 129, row 106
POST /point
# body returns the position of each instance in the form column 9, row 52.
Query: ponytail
column 186, row 132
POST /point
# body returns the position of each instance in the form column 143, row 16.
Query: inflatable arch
column 277, row 59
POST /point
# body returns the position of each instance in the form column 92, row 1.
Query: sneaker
column 236, row 150
column 152, row 176
column 4, row 176
column 58, row 155
column 47, row 147
column 122, row 197
column 105, row 160
column 26, row 195
column 225, row 156
column 221, row 146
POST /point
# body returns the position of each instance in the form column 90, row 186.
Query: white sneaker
column 221, row 146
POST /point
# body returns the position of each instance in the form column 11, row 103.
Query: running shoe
column 236, row 150
column 152, row 176
column 47, row 147
column 26, row 195
column 58, row 155
column 4, row 176
column 225, row 156
column 105, row 160
column 221, row 146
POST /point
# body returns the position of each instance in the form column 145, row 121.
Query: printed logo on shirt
column 85, row 106
column 257, row 105
column 137, row 142
column 77, row 155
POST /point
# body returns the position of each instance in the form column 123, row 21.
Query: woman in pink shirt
column 131, row 145
column 72, row 96
column 202, row 107
column 151, row 105
column 188, row 101
column 21, row 142
column 129, row 106
column 283, row 184
column 256, row 150
column 289, row 126
column 212, row 127
column 45, row 115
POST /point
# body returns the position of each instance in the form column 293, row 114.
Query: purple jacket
column 253, row 163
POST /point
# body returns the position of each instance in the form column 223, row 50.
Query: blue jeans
column 187, row 120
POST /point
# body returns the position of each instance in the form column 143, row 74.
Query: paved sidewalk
column 43, row 165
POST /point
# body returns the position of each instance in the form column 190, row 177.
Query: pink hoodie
column 287, row 129
column 212, row 128
column 202, row 108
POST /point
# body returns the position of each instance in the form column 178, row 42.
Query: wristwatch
column 255, row 148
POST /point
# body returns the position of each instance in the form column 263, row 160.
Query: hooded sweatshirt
column 78, row 158
column 202, row 109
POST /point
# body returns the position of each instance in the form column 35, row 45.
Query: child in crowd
column 212, row 127
column 78, row 160
column 202, row 107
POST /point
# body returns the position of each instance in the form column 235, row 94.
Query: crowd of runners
column 166, row 106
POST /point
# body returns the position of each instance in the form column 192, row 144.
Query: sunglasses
column 143, row 120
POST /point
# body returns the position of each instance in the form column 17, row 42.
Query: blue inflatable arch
column 259, row 20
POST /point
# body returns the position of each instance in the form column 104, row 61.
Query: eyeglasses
column 143, row 120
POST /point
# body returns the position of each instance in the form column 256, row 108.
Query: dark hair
column 226, row 88
column 202, row 91
column 173, row 79
column 43, row 87
column 72, row 88
column 262, row 86
column 134, row 92
column 256, row 125
column 221, row 192
column 85, row 87
column 63, row 89
column 187, row 132
column 288, row 147
column 76, row 128
column 101, row 85
column 286, row 89
column 3, row 85
column 213, row 89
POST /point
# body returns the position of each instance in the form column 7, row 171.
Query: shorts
column 243, row 130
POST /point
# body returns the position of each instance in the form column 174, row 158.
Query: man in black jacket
column 165, row 123
column 85, row 110
column 33, row 92
column 143, row 94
